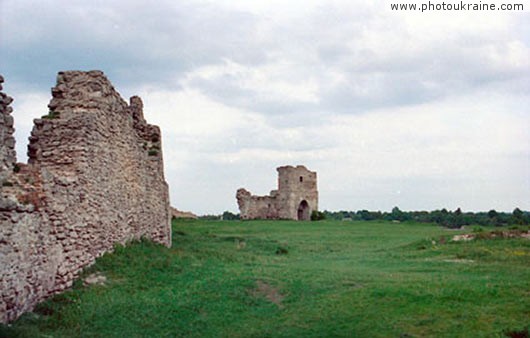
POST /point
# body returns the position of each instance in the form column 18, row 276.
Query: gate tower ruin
column 296, row 197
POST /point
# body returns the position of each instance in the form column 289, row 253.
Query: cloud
column 333, row 59
column 132, row 42
column 441, row 154
column 27, row 105
column 391, row 108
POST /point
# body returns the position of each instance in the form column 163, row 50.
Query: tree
column 518, row 217
column 442, row 217
column 397, row 215
column 494, row 217
column 456, row 219
column 228, row 216
column 492, row 214
column 365, row 215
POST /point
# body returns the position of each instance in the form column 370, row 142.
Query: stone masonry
column 7, row 144
column 94, row 178
column 296, row 197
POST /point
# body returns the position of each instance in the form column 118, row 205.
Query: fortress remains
column 296, row 197
column 94, row 178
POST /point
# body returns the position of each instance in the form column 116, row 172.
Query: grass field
column 298, row 279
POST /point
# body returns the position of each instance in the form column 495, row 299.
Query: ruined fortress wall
column 7, row 141
column 256, row 207
column 296, row 185
column 175, row 213
column 94, row 178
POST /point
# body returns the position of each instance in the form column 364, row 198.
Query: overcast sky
column 417, row 110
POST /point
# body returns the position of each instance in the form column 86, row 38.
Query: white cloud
column 268, row 81
column 445, row 152
column 191, row 114
column 391, row 108
column 26, row 107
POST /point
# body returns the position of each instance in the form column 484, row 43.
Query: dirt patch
column 352, row 284
column 240, row 245
column 95, row 279
column 466, row 237
column 264, row 289
column 459, row 260
column 518, row 334
column 493, row 234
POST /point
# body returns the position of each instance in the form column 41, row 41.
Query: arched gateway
column 304, row 213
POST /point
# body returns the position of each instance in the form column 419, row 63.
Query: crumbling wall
column 7, row 141
column 175, row 213
column 94, row 178
column 257, row 207
column 296, row 197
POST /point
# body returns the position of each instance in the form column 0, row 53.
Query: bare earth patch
column 264, row 289
column 466, row 237
column 95, row 279
column 493, row 234
column 459, row 260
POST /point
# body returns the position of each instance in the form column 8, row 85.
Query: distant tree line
column 451, row 219
column 226, row 216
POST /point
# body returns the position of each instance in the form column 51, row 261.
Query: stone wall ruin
column 296, row 197
column 175, row 213
column 94, row 178
column 7, row 145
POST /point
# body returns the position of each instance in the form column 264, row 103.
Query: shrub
column 317, row 215
column 52, row 115
column 282, row 250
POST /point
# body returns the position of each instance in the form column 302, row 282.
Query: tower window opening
column 301, row 178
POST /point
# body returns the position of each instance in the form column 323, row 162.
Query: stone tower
column 296, row 197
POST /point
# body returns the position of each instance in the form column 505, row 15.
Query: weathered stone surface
column 296, row 197
column 94, row 178
column 7, row 140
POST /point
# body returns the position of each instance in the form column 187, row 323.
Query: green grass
column 52, row 115
column 322, row 279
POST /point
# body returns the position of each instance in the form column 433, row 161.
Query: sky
column 417, row 110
